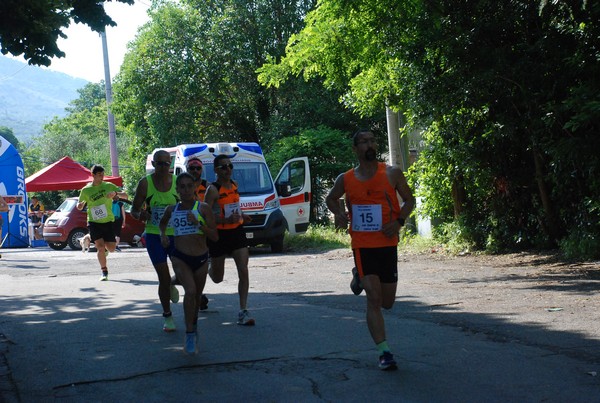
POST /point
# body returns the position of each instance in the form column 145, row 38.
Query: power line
column 13, row 74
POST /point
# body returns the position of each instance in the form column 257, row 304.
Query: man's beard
column 370, row 155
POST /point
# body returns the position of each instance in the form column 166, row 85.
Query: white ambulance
column 273, row 206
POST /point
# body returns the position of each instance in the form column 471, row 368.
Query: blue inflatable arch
column 12, row 183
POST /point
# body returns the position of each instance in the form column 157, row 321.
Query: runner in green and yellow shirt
column 98, row 197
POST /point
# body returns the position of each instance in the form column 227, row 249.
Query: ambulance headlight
column 272, row 204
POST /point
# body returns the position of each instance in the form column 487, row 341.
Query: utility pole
column 398, row 148
column 112, row 133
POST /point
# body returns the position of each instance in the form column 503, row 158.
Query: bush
column 318, row 237
column 329, row 152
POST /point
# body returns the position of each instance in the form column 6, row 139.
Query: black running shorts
column 102, row 231
column 229, row 240
column 382, row 262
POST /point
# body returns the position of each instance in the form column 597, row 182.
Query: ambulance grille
column 258, row 220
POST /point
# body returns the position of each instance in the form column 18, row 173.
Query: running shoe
column 174, row 294
column 203, row 303
column 104, row 276
column 244, row 318
column 117, row 249
column 355, row 284
column 387, row 362
column 190, row 345
column 169, row 325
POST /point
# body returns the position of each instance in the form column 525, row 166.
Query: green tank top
column 157, row 203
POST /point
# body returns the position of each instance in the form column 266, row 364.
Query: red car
column 67, row 224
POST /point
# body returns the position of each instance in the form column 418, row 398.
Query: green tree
column 83, row 133
column 329, row 154
column 508, row 92
column 190, row 77
column 8, row 134
column 32, row 27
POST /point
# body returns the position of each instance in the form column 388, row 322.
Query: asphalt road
column 462, row 330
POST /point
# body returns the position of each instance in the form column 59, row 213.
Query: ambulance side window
column 297, row 176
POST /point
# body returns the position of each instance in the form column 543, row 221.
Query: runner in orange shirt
column 194, row 167
column 223, row 197
column 375, row 215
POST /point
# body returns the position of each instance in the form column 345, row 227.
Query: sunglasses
column 225, row 166
column 162, row 163
column 194, row 168
column 367, row 141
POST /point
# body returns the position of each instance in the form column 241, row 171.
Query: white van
column 273, row 206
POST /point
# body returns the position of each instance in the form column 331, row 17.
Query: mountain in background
column 31, row 96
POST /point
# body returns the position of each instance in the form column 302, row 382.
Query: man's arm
column 80, row 202
column 398, row 181
column 210, row 228
column 210, row 198
column 401, row 186
column 333, row 202
column 138, row 199
column 162, row 226
column 123, row 215
column 164, row 221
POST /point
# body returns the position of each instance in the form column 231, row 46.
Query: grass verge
column 323, row 238
column 319, row 238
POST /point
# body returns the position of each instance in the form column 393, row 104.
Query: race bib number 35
column 366, row 217
column 182, row 224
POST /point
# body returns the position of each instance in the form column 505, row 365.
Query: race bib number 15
column 366, row 217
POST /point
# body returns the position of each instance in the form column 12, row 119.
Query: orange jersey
column 229, row 202
column 201, row 190
column 371, row 204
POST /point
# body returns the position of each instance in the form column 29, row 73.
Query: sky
column 83, row 47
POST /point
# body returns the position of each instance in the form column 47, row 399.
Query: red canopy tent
column 64, row 174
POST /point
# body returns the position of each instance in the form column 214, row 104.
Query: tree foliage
column 190, row 76
column 82, row 135
column 32, row 27
column 507, row 93
column 9, row 135
column 328, row 152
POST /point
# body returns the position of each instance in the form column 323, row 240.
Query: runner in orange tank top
column 194, row 167
column 375, row 215
column 223, row 197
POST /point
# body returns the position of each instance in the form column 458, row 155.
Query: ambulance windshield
column 253, row 178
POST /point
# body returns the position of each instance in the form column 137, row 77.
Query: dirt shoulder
column 535, row 299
